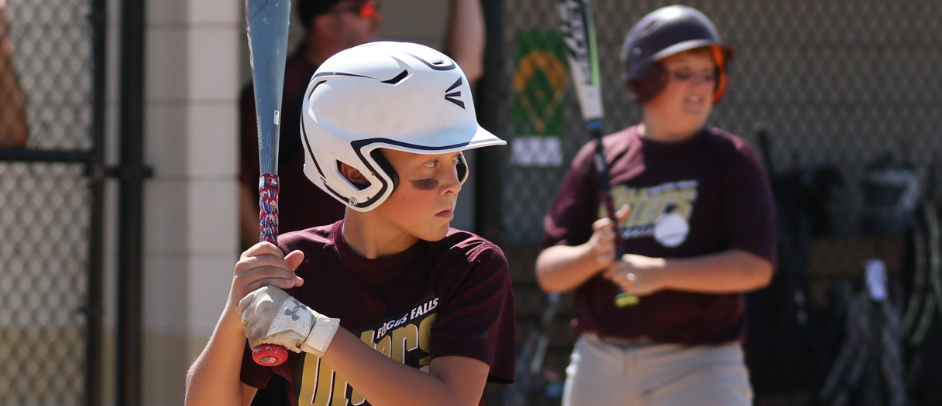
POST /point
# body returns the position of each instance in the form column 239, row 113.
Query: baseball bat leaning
column 266, row 23
column 579, row 34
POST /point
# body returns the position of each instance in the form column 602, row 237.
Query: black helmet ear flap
column 647, row 82
column 462, row 168
column 377, row 155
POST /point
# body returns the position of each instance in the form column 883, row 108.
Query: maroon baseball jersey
column 445, row 298
column 301, row 204
column 704, row 195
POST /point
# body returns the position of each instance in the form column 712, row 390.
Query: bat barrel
column 267, row 29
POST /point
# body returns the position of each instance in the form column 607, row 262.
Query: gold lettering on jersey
column 668, row 198
column 623, row 194
column 311, row 363
column 316, row 387
column 405, row 339
column 649, row 211
column 340, row 391
column 384, row 346
column 685, row 201
column 650, row 204
column 424, row 344
column 639, row 202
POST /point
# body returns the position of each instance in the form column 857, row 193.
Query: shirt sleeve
column 570, row 217
column 252, row 373
column 749, row 207
column 476, row 319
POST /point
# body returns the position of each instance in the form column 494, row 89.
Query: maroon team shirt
column 436, row 299
column 301, row 204
column 704, row 195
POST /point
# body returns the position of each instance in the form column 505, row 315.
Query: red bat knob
column 270, row 355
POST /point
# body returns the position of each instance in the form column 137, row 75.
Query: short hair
column 308, row 9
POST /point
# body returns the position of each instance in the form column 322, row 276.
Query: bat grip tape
column 268, row 207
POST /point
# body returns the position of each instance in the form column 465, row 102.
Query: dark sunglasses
column 366, row 9
column 682, row 76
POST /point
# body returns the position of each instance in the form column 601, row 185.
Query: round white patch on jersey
column 671, row 230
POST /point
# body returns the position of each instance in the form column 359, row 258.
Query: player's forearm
column 213, row 379
column 725, row 272
column 562, row 268
column 383, row 381
column 466, row 36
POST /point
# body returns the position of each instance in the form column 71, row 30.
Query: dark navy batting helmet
column 665, row 32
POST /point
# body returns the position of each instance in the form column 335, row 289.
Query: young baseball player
column 329, row 26
column 388, row 306
column 700, row 231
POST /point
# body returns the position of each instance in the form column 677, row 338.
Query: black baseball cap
column 308, row 9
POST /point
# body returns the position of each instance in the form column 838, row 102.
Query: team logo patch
column 661, row 212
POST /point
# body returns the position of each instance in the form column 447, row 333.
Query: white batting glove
column 271, row 316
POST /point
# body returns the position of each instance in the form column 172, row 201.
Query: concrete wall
column 190, row 231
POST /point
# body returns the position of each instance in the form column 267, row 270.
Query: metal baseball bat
column 579, row 33
column 266, row 23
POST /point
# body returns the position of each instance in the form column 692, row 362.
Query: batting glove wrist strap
column 323, row 332
column 271, row 316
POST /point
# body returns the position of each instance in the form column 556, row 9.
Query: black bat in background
column 579, row 33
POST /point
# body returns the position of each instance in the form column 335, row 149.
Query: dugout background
column 836, row 85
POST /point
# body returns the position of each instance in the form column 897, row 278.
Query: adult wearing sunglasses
column 697, row 225
column 330, row 26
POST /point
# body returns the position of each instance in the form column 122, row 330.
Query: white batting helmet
column 394, row 95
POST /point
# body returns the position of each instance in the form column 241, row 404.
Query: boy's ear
column 353, row 175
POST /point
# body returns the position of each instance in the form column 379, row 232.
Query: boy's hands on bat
column 261, row 265
column 267, row 313
column 602, row 242
column 637, row 274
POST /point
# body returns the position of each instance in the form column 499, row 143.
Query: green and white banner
column 540, row 78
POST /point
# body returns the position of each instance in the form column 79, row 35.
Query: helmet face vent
column 402, row 75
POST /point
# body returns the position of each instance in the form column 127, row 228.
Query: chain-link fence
column 850, row 100
column 46, row 197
